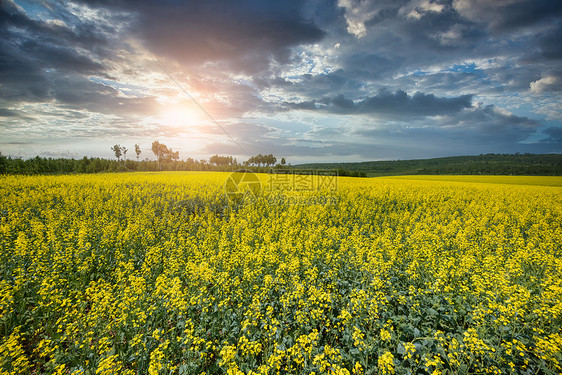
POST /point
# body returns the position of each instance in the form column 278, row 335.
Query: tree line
column 166, row 160
column 484, row 164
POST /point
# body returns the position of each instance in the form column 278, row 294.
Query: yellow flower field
column 159, row 273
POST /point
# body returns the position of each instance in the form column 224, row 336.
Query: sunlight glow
column 179, row 116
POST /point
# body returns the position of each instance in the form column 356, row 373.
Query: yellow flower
column 385, row 335
column 386, row 363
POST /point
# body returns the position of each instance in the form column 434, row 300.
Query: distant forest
column 40, row 165
column 166, row 160
column 489, row 164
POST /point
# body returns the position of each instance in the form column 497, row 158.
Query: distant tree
column 137, row 151
column 118, row 151
column 260, row 160
column 172, row 155
column 269, row 160
column 221, row 160
column 283, row 162
column 214, row 160
column 255, row 160
column 162, row 152
column 158, row 149
column 3, row 164
column 124, row 150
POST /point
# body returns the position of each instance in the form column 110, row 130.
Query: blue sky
column 343, row 80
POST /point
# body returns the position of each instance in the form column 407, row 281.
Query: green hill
column 489, row 164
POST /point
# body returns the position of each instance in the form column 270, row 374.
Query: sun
column 178, row 116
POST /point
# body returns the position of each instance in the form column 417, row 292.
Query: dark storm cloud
column 419, row 104
column 318, row 85
column 554, row 136
column 60, row 58
column 396, row 42
column 490, row 123
column 307, row 60
column 33, row 54
column 372, row 66
column 59, row 76
column 502, row 16
column 393, row 104
column 20, row 28
column 13, row 114
column 21, row 79
column 545, row 46
column 246, row 35
column 78, row 93
column 42, row 62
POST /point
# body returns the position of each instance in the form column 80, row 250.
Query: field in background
column 159, row 273
column 508, row 180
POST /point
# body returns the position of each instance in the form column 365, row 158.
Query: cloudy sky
column 343, row 80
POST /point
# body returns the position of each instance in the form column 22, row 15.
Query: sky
column 311, row 81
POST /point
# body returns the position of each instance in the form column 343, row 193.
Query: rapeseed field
column 162, row 274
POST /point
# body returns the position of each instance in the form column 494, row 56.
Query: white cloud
column 57, row 22
column 418, row 8
column 451, row 37
column 544, row 84
column 481, row 10
column 357, row 12
column 502, row 111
